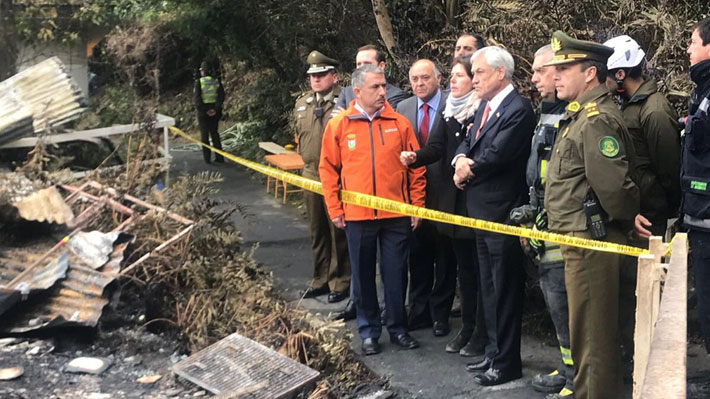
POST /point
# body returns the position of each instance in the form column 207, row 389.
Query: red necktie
column 424, row 124
column 486, row 111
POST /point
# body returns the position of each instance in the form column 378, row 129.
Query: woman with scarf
column 461, row 106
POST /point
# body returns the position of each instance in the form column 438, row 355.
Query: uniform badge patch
column 574, row 106
column 351, row 142
column 309, row 100
column 609, row 147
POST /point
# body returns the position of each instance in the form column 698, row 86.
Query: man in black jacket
column 369, row 55
column 490, row 166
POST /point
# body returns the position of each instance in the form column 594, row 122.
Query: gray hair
column 497, row 57
column 544, row 49
column 358, row 77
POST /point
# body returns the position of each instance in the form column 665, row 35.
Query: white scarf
column 462, row 108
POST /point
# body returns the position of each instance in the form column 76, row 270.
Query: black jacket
column 695, row 170
column 438, row 152
column 500, row 155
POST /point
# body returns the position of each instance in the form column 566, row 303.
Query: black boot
column 346, row 314
column 460, row 340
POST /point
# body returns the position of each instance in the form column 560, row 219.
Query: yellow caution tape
column 373, row 202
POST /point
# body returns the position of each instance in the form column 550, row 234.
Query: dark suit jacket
column 440, row 149
column 394, row 96
column 434, row 171
column 500, row 155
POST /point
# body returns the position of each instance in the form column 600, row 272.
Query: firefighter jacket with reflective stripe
column 542, row 142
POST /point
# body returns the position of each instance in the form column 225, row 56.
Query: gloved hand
column 541, row 225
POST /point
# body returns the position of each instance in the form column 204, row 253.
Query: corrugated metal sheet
column 78, row 299
column 15, row 262
column 238, row 367
column 38, row 98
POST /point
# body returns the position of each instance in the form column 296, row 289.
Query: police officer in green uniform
column 330, row 252
column 652, row 124
column 589, row 193
column 209, row 96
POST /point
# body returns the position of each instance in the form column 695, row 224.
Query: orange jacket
column 363, row 156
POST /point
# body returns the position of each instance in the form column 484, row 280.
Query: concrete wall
column 74, row 59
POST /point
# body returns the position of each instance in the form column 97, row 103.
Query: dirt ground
column 133, row 353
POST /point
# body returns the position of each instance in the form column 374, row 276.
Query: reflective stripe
column 565, row 392
column 696, row 222
column 552, row 255
column 208, row 89
column 566, row 356
column 553, row 373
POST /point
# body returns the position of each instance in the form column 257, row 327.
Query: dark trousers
column 472, row 315
column 500, row 259
column 699, row 260
column 208, row 128
column 554, row 290
column 330, row 247
column 432, row 276
column 393, row 236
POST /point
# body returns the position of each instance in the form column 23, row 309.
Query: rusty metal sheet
column 237, row 367
column 76, row 300
column 15, row 262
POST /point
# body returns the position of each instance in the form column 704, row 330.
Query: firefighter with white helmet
column 651, row 121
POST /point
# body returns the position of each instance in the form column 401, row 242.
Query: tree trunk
column 8, row 41
column 384, row 24
column 452, row 9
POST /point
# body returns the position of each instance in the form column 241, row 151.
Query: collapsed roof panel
column 38, row 98
column 95, row 259
column 77, row 299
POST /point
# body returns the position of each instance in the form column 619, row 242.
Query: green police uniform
column 652, row 125
column 310, row 115
column 593, row 151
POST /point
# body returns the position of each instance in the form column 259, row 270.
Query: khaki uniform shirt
column 651, row 122
column 592, row 150
column 309, row 129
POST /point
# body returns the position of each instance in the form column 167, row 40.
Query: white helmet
column 627, row 53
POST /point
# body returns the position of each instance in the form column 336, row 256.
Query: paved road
column 283, row 242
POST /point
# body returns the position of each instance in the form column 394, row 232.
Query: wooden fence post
column 643, row 333
column 663, row 373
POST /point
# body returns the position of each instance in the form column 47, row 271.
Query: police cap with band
column 569, row 50
column 319, row 62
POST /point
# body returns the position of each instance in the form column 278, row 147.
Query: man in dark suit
column 431, row 289
column 490, row 166
column 369, row 55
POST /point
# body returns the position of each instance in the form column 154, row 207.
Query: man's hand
column 415, row 222
column 336, row 111
column 211, row 112
column 339, row 222
column 407, row 157
column 640, row 224
column 463, row 172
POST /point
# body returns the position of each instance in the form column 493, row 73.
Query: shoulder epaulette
column 591, row 109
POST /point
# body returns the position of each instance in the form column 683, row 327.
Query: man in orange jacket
column 360, row 153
